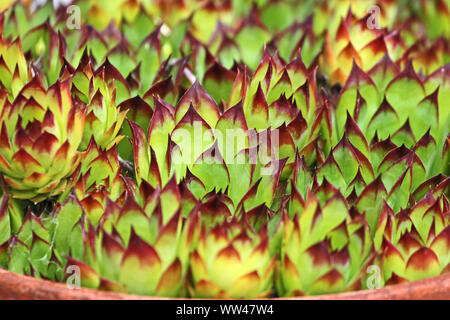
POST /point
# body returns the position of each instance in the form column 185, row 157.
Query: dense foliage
column 225, row 148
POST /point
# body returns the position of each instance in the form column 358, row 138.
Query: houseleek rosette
column 40, row 134
column 231, row 261
column 325, row 249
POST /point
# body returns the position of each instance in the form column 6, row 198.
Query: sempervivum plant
column 415, row 243
column 126, row 249
column 325, row 247
column 103, row 119
column 41, row 132
column 225, row 149
column 231, row 261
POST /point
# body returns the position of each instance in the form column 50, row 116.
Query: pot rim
column 17, row 286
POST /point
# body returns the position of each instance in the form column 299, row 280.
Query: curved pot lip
column 17, row 286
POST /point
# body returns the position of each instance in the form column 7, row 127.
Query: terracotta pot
column 15, row 286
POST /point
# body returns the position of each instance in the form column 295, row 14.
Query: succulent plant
column 230, row 261
column 123, row 248
column 325, row 247
column 225, row 149
column 414, row 245
column 103, row 119
column 41, row 132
